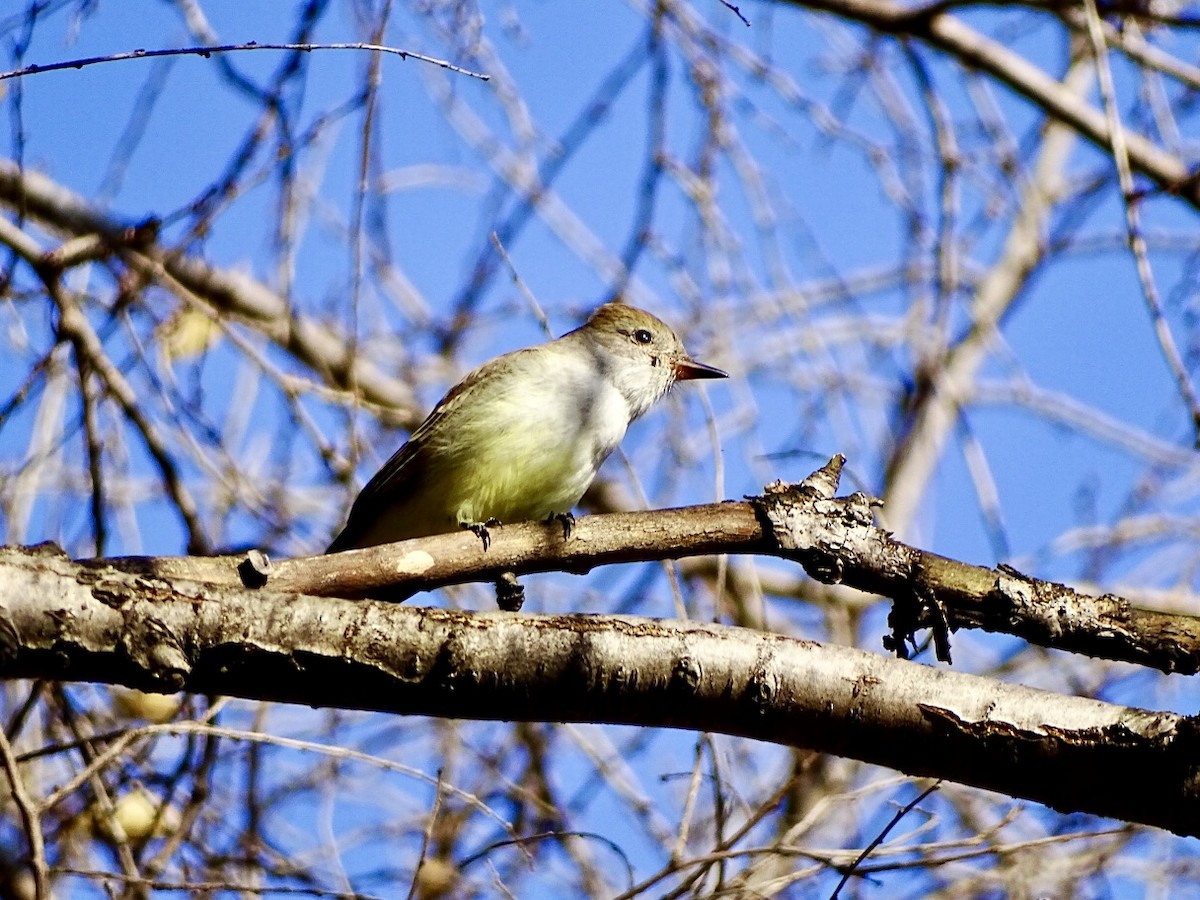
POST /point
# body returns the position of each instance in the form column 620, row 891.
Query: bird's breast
column 534, row 444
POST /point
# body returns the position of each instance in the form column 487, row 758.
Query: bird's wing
column 404, row 467
column 408, row 463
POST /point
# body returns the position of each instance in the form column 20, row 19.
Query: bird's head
column 640, row 353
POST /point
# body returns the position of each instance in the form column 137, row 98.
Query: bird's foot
column 480, row 530
column 566, row 519
column 510, row 595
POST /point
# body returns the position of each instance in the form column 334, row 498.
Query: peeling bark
column 63, row 620
column 832, row 537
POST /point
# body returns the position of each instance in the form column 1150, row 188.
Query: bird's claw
column 480, row 530
column 566, row 519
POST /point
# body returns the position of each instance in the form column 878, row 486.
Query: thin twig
column 73, row 326
column 736, row 11
column 427, row 837
column 538, row 312
column 1118, row 143
column 30, row 819
column 206, row 52
column 879, row 838
column 94, row 446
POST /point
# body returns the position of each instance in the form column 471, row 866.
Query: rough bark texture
column 61, row 620
column 832, row 537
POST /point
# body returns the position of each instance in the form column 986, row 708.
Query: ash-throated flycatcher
column 523, row 436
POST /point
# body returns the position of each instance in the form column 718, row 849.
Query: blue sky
column 813, row 373
column 1080, row 332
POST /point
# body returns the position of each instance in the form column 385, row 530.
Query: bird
column 522, row 437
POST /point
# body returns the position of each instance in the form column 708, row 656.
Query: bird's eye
column 643, row 336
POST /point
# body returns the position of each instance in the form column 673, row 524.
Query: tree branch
column 317, row 345
column 832, row 537
column 977, row 51
column 59, row 619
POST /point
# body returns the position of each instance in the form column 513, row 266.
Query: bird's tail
column 346, row 540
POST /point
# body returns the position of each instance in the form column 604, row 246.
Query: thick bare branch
column 833, row 538
column 63, row 620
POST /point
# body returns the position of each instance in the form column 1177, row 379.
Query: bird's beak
column 686, row 369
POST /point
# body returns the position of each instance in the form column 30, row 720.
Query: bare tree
column 955, row 244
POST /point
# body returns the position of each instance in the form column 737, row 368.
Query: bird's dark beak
column 686, row 369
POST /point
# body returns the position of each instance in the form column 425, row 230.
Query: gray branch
column 832, row 537
column 63, row 620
